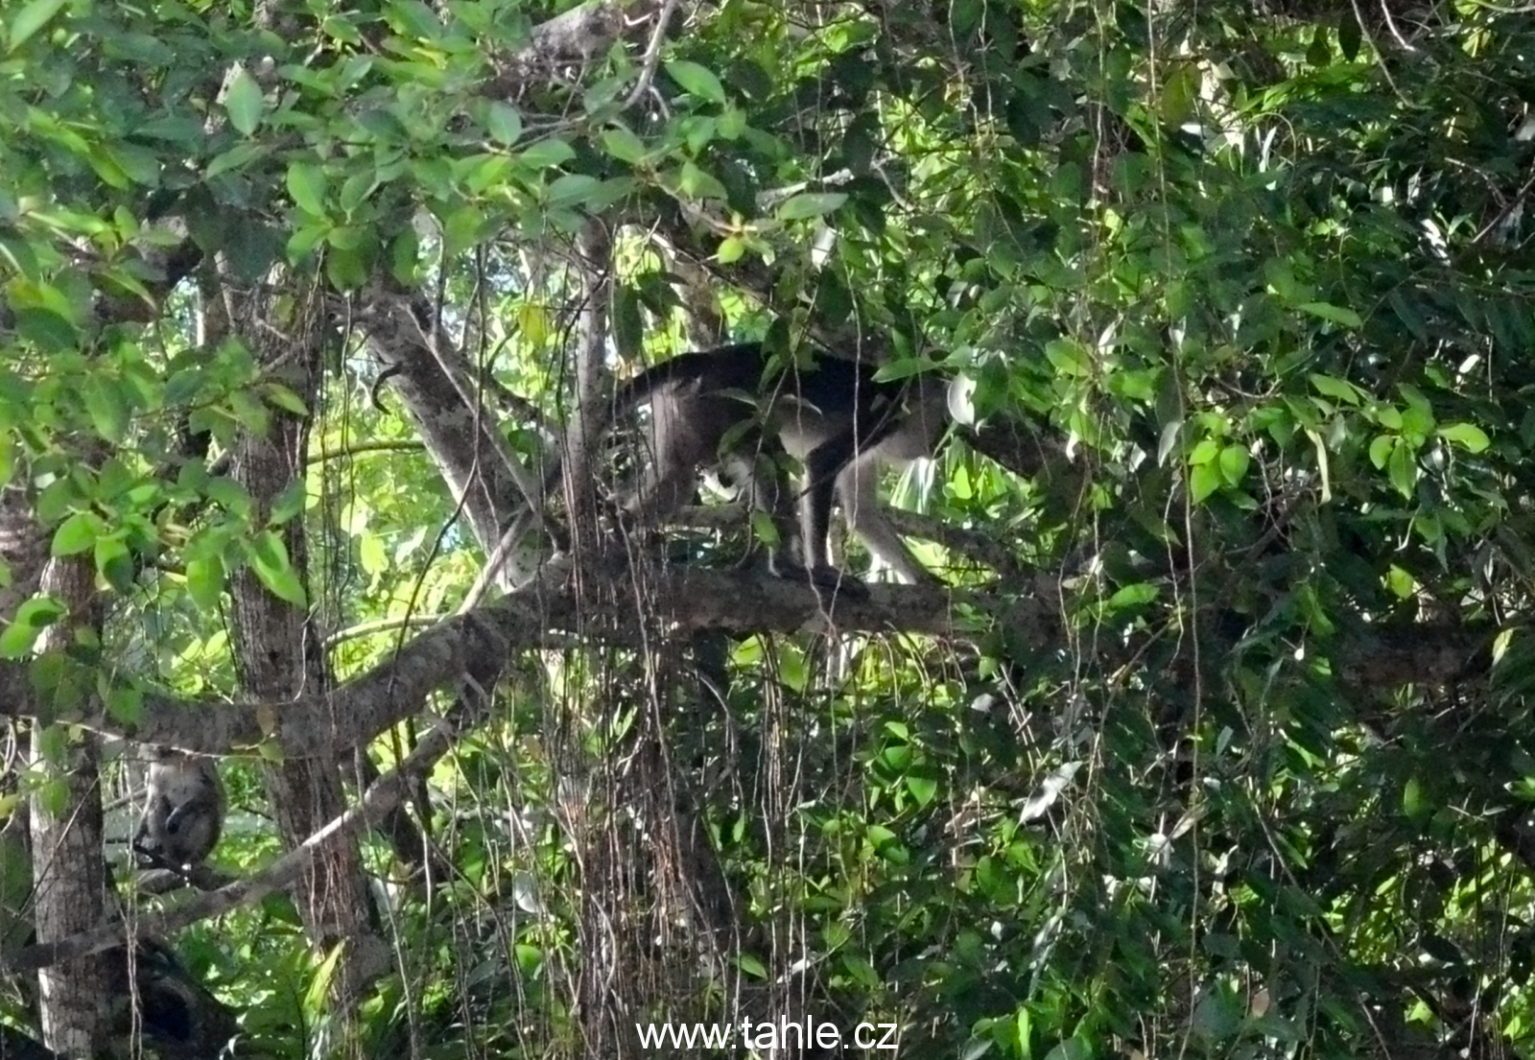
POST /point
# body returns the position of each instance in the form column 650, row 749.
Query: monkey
column 184, row 811
column 836, row 419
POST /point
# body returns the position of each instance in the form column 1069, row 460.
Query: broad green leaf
column 1336, row 388
column 237, row 157
column 243, row 102
column 1069, row 357
column 125, row 705
column 280, row 396
column 106, row 407
column 1205, row 451
column 546, row 154
column 1380, row 449
column 731, row 249
column 623, row 144
column 1335, row 313
column 33, row 616
column 205, row 581
column 573, row 189
column 269, row 559
column 114, row 563
column 696, row 79
column 533, row 323
column 404, row 254
column 1204, row 480
column 923, row 787
column 30, row 19
column 861, row 970
column 810, row 204
column 1234, row 463
column 1071, row 1049
column 306, row 186
column 504, row 122
column 1136, row 595
column 1466, row 435
column 77, row 534
column 699, row 184
column 371, row 554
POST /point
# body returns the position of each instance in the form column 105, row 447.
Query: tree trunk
column 68, row 871
column 280, row 656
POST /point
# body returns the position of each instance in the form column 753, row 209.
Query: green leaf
column 371, row 555
column 404, row 254
column 77, row 534
column 32, row 617
column 573, row 189
column 1204, row 480
column 1335, row 313
column 462, row 228
column 1402, row 470
column 205, row 581
column 1380, row 450
column 237, row 157
column 861, row 970
column 546, row 154
column 504, row 122
column 923, row 787
column 810, row 204
column 243, row 102
column 1205, row 451
column 699, row 184
column 319, row 987
column 1137, row 595
column 32, row 18
column 1069, row 357
column 731, row 249
column 282, row 397
column 1070, row 1049
column 269, row 559
column 1336, row 388
column 306, row 186
column 1466, row 435
column 623, row 144
column 114, row 563
column 1233, row 463
column 751, row 966
column 696, row 79
column 106, row 407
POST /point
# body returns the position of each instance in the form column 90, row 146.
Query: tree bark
column 68, row 872
column 280, row 657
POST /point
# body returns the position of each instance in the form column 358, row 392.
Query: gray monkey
column 184, row 813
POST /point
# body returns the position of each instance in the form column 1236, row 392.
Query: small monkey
column 184, row 812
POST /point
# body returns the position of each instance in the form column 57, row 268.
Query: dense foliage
column 1228, row 752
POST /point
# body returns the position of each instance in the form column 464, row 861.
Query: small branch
column 652, row 54
column 381, row 625
column 403, row 445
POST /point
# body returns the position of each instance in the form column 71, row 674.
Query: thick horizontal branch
column 598, row 606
